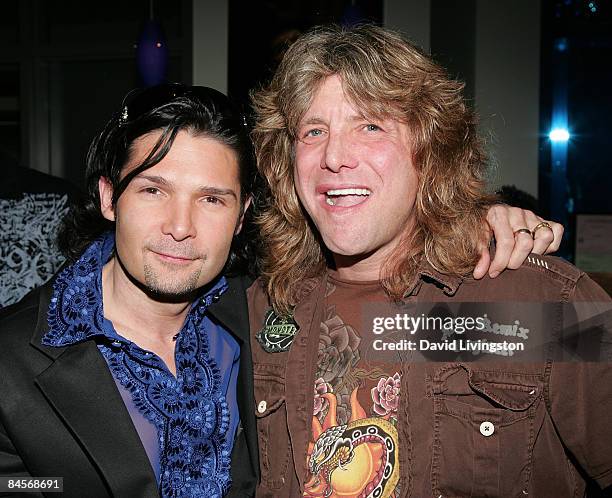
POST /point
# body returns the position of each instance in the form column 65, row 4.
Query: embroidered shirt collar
column 76, row 311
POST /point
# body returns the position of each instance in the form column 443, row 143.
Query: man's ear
column 106, row 198
column 247, row 203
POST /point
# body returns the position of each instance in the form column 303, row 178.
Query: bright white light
column 559, row 135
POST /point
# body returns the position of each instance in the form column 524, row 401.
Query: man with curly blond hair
column 377, row 199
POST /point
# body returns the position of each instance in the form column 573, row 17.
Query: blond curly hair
column 384, row 76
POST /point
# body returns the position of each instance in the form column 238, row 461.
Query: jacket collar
column 80, row 387
column 42, row 326
column 231, row 312
column 62, row 387
column 449, row 284
column 230, row 309
column 426, row 273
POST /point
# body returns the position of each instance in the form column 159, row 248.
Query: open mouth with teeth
column 346, row 197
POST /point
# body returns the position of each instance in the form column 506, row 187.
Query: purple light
column 152, row 54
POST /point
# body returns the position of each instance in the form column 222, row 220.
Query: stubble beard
column 170, row 286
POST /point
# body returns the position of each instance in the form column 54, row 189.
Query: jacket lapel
column 80, row 387
column 231, row 312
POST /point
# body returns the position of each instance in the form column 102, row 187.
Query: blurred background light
column 559, row 135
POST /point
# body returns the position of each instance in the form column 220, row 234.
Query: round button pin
column 487, row 429
column 261, row 407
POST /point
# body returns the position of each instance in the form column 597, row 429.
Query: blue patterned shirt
column 192, row 416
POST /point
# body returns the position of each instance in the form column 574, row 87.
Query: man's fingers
column 513, row 244
column 557, row 234
column 503, row 249
column 542, row 240
column 546, row 240
column 523, row 246
column 483, row 263
column 523, row 243
column 501, row 219
column 543, row 237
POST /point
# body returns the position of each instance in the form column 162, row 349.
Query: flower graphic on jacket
column 320, row 403
column 338, row 354
column 386, row 395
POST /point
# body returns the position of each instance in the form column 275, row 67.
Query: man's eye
column 151, row 190
column 211, row 199
column 372, row 127
column 314, row 133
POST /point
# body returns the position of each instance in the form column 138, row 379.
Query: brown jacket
column 553, row 431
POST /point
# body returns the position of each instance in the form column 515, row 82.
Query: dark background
column 65, row 65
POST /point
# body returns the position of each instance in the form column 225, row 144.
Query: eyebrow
column 312, row 120
column 318, row 120
column 202, row 190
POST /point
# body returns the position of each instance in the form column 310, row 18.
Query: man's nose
column 178, row 219
column 339, row 152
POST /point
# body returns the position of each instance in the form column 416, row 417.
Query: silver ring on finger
column 523, row 230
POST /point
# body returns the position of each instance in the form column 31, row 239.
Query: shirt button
column 487, row 429
column 261, row 407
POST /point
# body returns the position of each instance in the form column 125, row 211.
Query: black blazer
column 61, row 414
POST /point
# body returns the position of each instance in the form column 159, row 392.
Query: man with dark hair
column 129, row 374
column 377, row 177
